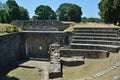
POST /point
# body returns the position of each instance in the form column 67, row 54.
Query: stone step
column 96, row 42
column 96, row 31
column 110, row 48
column 91, row 28
column 87, row 53
column 73, row 61
column 55, row 70
column 97, row 38
column 97, row 34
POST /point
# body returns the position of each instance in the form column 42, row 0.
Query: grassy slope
column 89, row 25
column 25, row 74
column 7, row 28
column 92, row 66
column 3, row 26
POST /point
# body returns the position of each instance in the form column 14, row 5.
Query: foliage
column 69, row 12
column 92, row 19
column 10, row 29
column 1, row 5
column 15, row 13
column 12, row 11
column 11, row 3
column 24, row 13
column 4, row 17
column 44, row 13
column 110, row 11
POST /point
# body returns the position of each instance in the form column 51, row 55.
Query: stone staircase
column 94, row 42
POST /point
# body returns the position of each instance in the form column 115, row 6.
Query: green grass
column 92, row 66
column 89, row 25
column 7, row 28
column 24, row 74
column 109, row 76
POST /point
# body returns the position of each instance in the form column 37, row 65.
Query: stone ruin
column 55, row 62
column 82, row 43
column 40, row 25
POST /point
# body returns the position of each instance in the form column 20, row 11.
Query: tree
column 69, row 12
column 24, row 13
column 14, row 11
column 1, row 17
column 4, row 17
column 110, row 11
column 116, row 9
column 1, row 5
column 11, row 3
column 91, row 19
column 44, row 13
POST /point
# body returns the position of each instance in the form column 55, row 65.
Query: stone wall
column 86, row 54
column 13, row 46
column 40, row 25
column 45, row 37
column 9, row 49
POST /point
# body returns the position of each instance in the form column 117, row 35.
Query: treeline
column 109, row 12
column 92, row 19
column 10, row 11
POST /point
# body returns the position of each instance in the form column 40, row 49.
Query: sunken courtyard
column 45, row 43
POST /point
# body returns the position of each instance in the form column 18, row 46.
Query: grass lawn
column 92, row 66
column 24, row 74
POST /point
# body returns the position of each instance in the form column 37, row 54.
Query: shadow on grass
column 3, row 73
column 12, row 78
column 9, row 78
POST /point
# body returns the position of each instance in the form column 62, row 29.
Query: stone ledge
column 73, row 61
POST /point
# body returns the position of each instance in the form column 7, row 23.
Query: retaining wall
column 40, row 25
column 9, row 49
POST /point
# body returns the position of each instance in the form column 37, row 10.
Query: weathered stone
column 117, row 78
column 9, row 49
column 73, row 61
column 40, row 25
column 87, row 53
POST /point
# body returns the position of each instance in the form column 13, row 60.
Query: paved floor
column 42, row 66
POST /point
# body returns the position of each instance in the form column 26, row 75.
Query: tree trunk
column 115, row 22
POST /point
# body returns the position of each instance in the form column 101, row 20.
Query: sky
column 89, row 7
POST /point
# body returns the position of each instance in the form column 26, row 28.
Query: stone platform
column 73, row 61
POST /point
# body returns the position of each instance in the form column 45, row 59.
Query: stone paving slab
column 42, row 66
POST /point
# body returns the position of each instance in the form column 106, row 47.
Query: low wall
column 40, row 25
column 9, row 49
column 86, row 54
